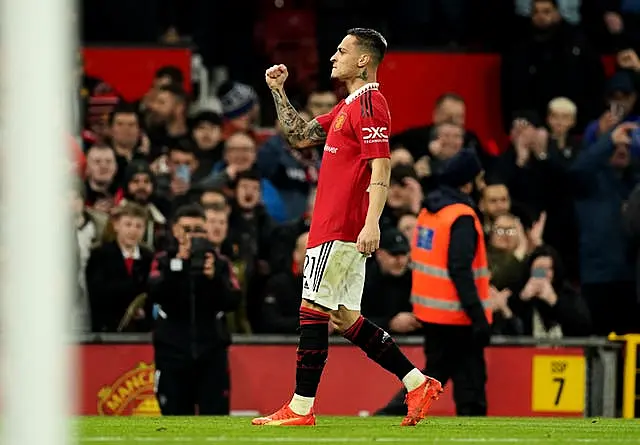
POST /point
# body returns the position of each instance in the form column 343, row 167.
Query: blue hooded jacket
column 601, row 194
column 286, row 173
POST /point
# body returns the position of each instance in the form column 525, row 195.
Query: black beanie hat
column 460, row 169
column 135, row 167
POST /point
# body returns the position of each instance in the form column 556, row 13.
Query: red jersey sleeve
column 372, row 123
column 325, row 120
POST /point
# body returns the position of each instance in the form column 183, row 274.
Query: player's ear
column 364, row 60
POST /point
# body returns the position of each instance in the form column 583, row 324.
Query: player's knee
column 344, row 319
column 337, row 323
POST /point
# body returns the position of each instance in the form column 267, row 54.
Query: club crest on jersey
column 339, row 121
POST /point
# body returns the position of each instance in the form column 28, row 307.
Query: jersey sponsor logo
column 332, row 150
column 339, row 122
column 131, row 394
column 372, row 135
column 425, row 238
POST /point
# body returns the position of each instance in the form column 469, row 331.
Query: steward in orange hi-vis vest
column 450, row 286
column 434, row 296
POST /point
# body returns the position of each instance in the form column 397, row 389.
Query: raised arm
column 298, row 132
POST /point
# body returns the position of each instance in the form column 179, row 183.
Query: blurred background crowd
column 560, row 196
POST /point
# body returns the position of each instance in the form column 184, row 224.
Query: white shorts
column 334, row 275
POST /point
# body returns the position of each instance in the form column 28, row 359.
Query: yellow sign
column 558, row 383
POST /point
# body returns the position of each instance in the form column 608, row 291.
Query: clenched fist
column 275, row 76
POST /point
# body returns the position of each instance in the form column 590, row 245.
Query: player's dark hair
column 372, row 41
column 172, row 72
column 189, row 211
column 448, row 96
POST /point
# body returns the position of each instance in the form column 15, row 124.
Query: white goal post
column 37, row 50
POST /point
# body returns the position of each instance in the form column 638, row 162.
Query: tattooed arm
column 299, row 132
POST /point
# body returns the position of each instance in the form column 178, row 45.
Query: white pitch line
column 223, row 439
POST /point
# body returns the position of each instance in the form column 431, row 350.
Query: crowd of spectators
column 561, row 205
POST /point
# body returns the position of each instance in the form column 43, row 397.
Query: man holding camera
column 191, row 289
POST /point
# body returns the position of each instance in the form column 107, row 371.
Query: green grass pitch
column 357, row 430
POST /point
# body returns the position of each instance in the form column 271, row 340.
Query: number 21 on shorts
column 308, row 271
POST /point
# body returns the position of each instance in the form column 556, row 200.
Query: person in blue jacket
column 294, row 172
column 604, row 175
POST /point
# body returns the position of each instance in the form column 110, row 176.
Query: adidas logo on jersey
column 306, row 285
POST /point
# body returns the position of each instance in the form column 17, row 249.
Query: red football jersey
column 357, row 131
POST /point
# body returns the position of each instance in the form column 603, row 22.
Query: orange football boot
column 285, row 417
column 420, row 399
